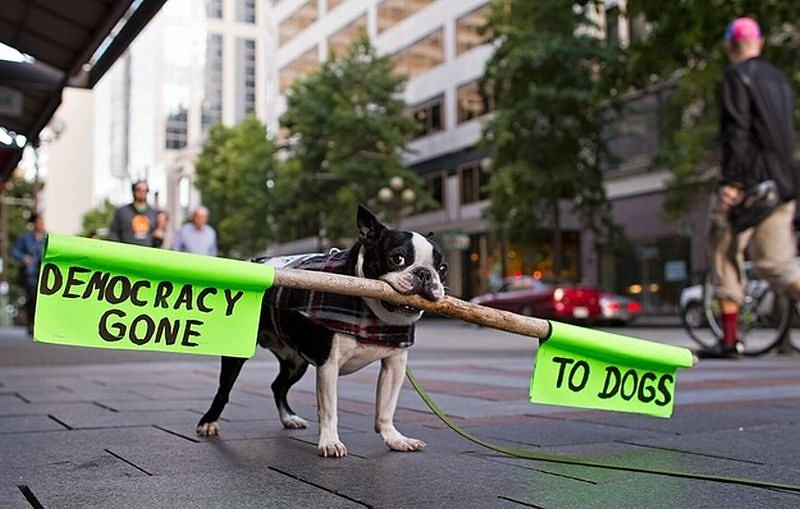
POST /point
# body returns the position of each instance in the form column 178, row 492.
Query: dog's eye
column 443, row 268
column 398, row 260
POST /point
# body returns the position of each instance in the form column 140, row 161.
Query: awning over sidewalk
column 71, row 44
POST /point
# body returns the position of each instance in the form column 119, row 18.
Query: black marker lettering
column 124, row 285
column 627, row 376
column 135, row 300
column 650, row 391
column 231, row 301
column 188, row 332
column 167, row 330
column 664, row 390
column 149, row 328
column 201, row 299
column 47, row 270
column 608, row 391
column 562, row 361
column 73, row 281
column 103, row 326
column 163, row 290
column 184, row 298
column 97, row 282
column 579, row 386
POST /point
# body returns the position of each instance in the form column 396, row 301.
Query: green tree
column 347, row 132
column 18, row 223
column 233, row 173
column 684, row 48
column 95, row 222
column 545, row 133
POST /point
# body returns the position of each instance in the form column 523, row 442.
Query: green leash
column 554, row 458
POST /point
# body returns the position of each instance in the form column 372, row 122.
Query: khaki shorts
column 771, row 246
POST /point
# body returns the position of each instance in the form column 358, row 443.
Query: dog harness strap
column 338, row 313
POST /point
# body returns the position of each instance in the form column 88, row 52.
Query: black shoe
column 718, row 352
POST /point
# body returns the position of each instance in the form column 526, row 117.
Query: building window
column 177, row 128
column 246, row 11
column 299, row 69
column 392, row 12
column 474, row 182
column 434, row 186
column 421, row 56
column 332, row 4
column 214, row 9
column 340, row 42
column 212, row 102
column 473, row 102
column 245, row 78
column 430, row 116
column 467, row 30
column 298, row 21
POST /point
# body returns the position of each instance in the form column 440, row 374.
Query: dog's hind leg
column 292, row 369
column 231, row 366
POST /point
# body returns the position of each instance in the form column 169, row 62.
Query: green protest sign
column 587, row 368
column 108, row 295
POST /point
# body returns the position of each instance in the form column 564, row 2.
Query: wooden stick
column 449, row 306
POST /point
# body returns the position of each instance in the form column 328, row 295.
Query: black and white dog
column 340, row 335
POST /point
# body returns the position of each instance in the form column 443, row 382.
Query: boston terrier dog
column 340, row 335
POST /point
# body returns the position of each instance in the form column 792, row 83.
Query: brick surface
column 116, row 431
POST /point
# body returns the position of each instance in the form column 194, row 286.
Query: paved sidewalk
column 107, row 434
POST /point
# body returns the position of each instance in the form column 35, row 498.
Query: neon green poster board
column 103, row 294
column 586, row 368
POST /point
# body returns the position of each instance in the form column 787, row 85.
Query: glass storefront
column 653, row 272
column 484, row 267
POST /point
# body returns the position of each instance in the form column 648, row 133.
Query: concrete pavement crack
column 318, row 486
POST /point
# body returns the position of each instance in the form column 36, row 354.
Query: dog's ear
column 369, row 226
column 430, row 235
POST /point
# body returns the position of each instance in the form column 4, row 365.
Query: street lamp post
column 397, row 197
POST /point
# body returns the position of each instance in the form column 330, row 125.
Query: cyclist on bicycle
column 758, row 138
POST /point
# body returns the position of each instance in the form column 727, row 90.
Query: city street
column 93, row 428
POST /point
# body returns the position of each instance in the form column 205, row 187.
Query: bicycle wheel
column 764, row 318
column 695, row 316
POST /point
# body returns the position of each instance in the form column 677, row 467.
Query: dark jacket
column 133, row 227
column 758, row 127
column 337, row 313
column 27, row 245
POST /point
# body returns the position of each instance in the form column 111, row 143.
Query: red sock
column 730, row 329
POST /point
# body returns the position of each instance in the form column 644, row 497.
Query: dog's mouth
column 399, row 308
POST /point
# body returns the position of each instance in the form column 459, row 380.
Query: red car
column 533, row 297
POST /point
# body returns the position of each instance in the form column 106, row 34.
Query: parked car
column 618, row 309
column 530, row 296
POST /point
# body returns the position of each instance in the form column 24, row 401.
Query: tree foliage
column 545, row 133
column 347, row 132
column 18, row 223
column 95, row 221
column 233, row 172
column 684, row 47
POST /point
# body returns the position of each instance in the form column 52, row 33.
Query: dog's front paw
column 208, row 429
column 333, row 448
column 294, row 422
column 398, row 442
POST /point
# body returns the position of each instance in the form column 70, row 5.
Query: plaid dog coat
column 337, row 313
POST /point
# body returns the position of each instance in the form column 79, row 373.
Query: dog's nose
column 423, row 274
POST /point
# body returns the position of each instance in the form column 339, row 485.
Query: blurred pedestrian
column 160, row 232
column 28, row 250
column 134, row 223
column 197, row 236
column 757, row 126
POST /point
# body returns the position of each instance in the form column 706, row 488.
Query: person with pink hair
column 755, row 203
